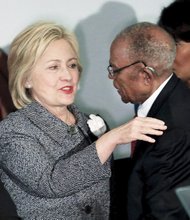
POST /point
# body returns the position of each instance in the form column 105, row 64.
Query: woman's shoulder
column 13, row 121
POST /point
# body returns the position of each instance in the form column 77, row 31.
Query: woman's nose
column 65, row 74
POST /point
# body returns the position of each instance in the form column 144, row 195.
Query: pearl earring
column 78, row 87
column 28, row 86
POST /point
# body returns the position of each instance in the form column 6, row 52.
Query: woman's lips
column 67, row 89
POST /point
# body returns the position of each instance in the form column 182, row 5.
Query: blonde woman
column 52, row 165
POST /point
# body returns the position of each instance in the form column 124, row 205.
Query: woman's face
column 55, row 76
column 182, row 61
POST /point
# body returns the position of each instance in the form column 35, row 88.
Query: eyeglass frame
column 112, row 73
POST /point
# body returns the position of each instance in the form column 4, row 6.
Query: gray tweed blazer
column 50, row 169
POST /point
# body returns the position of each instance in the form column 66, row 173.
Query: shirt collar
column 144, row 108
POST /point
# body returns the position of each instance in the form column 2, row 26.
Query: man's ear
column 148, row 75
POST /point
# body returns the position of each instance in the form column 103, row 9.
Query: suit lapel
column 163, row 96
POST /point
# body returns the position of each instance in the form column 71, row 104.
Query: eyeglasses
column 112, row 72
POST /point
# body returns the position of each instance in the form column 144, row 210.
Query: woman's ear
column 28, row 84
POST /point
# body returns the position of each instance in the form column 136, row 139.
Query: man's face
column 182, row 61
column 129, row 82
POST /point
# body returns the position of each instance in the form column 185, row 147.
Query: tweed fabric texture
column 50, row 169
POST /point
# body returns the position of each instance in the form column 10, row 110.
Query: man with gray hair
column 141, row 67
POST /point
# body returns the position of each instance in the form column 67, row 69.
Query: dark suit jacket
column 162, row 167
column 7, row 207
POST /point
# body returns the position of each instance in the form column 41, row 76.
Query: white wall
column 95, row 22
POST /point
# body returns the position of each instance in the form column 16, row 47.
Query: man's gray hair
column 144, row 44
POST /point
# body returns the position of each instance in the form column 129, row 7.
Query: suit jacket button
column 88, row 209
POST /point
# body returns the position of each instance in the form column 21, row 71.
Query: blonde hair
column 26, row 49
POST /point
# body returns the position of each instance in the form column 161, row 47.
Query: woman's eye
column 55, row 67
column 179, row 43
column 73, row 66
column 176, row 42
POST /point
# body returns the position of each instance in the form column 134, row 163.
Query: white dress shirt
column 144, row 108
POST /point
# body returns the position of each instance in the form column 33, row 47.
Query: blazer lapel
column 52, row 126
column 163, row 96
